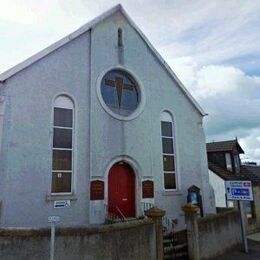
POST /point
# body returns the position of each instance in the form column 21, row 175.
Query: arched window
column 62, row 148
column 2, row 112
column 168, row 150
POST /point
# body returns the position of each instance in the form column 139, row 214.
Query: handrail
column 115, row 210
column 120, row 212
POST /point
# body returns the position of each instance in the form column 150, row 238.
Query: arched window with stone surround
column 62, row 148
column 168, row 151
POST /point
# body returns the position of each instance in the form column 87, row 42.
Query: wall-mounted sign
column 239, row 190
column 194, row 197
column 148, row 190
column 97, row 190
column 59, row 204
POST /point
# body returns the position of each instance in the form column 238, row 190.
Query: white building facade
column 98, row 121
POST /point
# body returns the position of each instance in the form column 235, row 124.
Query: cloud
column 213, row 46
column 251, row 146
column 212, row 32
column 231, row 97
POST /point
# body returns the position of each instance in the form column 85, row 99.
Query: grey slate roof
column 247, row 173
column 252, row 173
column 223, row 173
column 224, row 146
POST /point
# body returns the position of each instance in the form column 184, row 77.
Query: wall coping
column 218, row 216
column 73, row 231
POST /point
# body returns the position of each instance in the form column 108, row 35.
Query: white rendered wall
column 101, row 140
column 2, row 110
column 139, row 140
column 218, row 185
column 27, row 138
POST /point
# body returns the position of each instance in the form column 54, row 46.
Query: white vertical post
column 242, row 222
column 52, row 244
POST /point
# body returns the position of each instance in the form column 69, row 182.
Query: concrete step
column 176, row 248
column 176, row 251
column 184, row 257
column 167, row 242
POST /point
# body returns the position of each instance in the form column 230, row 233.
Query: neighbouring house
column 98, row 124
column 224, row 164
column 252, row 208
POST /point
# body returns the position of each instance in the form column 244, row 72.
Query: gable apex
column 41, row 54
column 88, row 26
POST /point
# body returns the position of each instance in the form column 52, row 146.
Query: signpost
column 241, row 191
column 53, row 220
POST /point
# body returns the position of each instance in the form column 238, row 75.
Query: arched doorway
column 121, row 188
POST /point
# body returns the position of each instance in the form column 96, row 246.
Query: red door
column 121, row 188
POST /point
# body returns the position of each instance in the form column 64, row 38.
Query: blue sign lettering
column 240, row 192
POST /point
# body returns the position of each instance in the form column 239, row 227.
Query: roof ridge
column 231, row 140
column 24, row 64
column 52, row 47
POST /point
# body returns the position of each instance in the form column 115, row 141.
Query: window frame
column 127, row 77
column 141, row 92
column 72, row 149
column 228, row 162
column 167, row 116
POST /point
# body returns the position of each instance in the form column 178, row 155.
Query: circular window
column 120, row 92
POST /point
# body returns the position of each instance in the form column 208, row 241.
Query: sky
column 212, row 46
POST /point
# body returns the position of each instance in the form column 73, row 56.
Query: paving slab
column 253, row 252
column 255, row 237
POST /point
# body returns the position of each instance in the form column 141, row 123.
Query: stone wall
column 253, row 224
column 218, row 234
column 132, row 240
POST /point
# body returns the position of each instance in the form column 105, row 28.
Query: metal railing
column 114, row 214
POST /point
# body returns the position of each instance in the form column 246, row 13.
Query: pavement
column 253, row 250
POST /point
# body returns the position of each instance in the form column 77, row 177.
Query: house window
column 228, row 161
column 120, row 92
column 249, row 209
column 237, row 163
column 168, row 151
column 62, row 148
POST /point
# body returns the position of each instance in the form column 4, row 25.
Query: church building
column 98, row 122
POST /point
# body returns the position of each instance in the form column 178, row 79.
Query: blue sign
column 239, row 190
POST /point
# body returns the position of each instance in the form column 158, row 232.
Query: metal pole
column 52, row 241
column 242, row 222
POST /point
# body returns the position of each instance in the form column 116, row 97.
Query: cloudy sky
column 213, row 46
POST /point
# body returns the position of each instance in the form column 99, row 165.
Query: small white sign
column 53, row 219
column 239, row 190
column 59, row 204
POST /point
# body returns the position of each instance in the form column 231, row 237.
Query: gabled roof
column 246, row 173
column 223, row 173
column 9, row 73
column 251, row 172
column 224, row 146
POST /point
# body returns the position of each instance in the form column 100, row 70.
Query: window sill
column 53, row 197
column 171, row 193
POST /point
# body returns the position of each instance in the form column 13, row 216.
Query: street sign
column 239, row 190
column 53, row 219
column 61, row 204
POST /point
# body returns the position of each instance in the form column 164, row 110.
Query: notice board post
column 240, row 191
